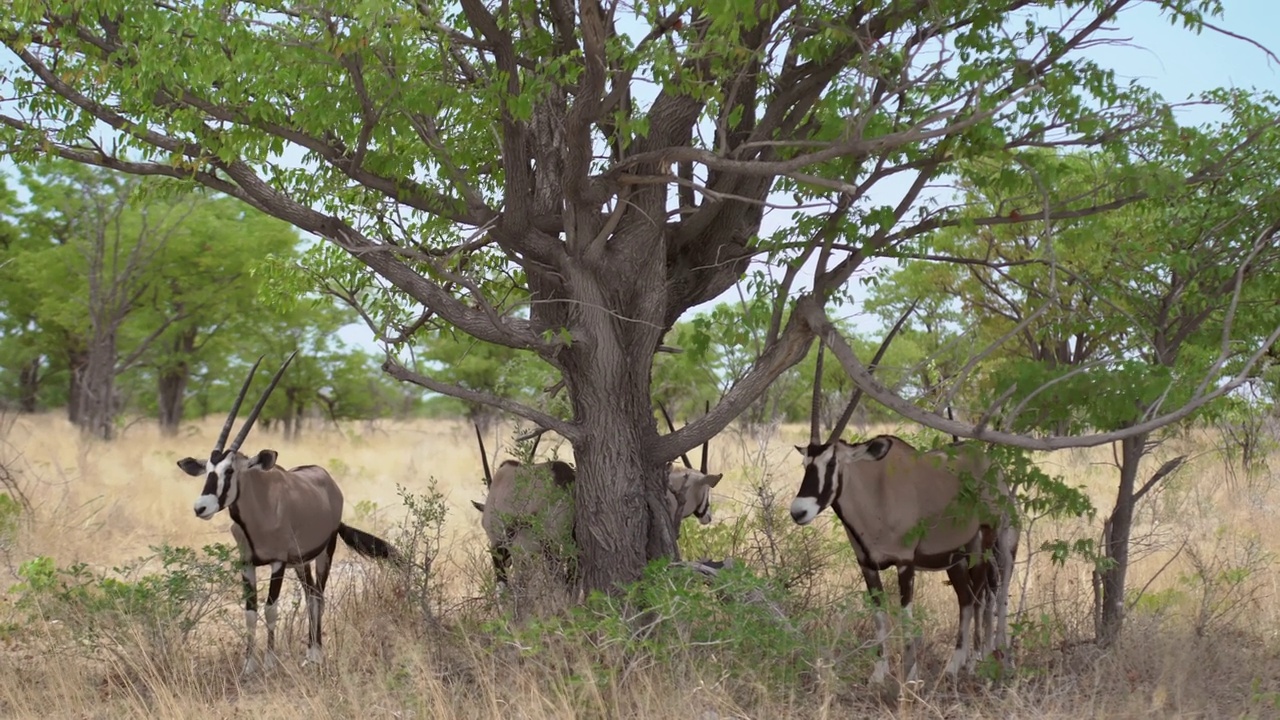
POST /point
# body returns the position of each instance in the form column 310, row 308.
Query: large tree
column 614, row 161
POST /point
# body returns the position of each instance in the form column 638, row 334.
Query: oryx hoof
column 251, row 667
column 315, row 657
column 269, row 660
column 880, row 672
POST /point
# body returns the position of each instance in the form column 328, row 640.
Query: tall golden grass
column 1195, row 646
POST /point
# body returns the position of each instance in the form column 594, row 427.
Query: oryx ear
column 192, row 466
column 800, row 449
column 712, row 480
column 264, row 460
column 878, row 447
column 478, row 505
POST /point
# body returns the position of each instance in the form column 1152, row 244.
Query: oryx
column 282, row 518
column 906, row 508
column 530, row 508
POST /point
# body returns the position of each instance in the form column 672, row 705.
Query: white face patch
column 206, row 507
column 804, row 510
column 216, row 495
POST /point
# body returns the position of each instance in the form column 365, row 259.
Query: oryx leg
column 314, row 586
column 249, row 580
column 906, row 593
column 961, row 581
column 1006, row 553
column 876, row 589
column 271, row 611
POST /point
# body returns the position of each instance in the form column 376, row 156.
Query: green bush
column 728, row 627
column 119, row 610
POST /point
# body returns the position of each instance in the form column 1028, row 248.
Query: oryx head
column 822, row 476
column 225, row 466
column 691, row 490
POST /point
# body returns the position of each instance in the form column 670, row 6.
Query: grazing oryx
column 530, row 507
column 905, row 508
column 282, row 518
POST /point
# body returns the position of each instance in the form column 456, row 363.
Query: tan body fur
column 529, row 508
column 889, row 511
column 288, row 516
column 904, row 508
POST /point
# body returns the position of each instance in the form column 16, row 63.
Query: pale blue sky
column 1164, row 57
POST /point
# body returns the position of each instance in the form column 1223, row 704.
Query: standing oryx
column 905, row 508
column 530, row 508
column 282, row 518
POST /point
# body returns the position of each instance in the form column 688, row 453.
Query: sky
column 1167, row 58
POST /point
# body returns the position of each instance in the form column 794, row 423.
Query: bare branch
column 404, row 374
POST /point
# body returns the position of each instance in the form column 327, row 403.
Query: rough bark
column 98, row 406
column 171, row 388
column 1110, row 582
column 29, row 385
column 620, row 493
column 77, row 360
column 172, row 384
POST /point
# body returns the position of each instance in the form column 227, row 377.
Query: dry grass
column 104, row 504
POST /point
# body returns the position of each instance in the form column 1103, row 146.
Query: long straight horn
column 672, row 427
column 875, row 363
column 257, row 408
column 484, row 456
column 235, row 409
column 817, row 395
column 702, row 468
column 533, row 452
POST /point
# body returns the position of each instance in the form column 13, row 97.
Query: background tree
column 1109, row 318
column 614, row 162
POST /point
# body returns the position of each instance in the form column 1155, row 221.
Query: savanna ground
column 157, row 640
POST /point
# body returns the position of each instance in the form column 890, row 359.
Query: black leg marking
column 249, row 580
column 270, row 612
column 962, row 581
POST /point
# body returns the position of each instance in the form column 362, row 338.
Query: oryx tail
column 367, row 544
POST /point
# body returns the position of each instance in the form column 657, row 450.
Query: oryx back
column 529, row 504
column 288, row 515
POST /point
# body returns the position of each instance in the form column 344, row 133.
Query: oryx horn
column 235, row 409
column 484, row 457
column 875, row 363
column 703, row 467
column 817, row 395
column 257, row 408
column 684, row 457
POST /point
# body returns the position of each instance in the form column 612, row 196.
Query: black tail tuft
column 366, row 544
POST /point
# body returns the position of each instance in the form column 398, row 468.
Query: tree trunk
column 77, row 361
column 97, row 388
column 171, row 389
column 1109, row 583
column 621, row 517
column 29, row 385
column 172, row 383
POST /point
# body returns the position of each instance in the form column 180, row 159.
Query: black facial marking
column 226, row 489
column 211, row 484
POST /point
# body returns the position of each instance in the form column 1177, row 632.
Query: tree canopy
column 568, row 180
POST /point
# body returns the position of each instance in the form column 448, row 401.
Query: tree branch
column 566, row 430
